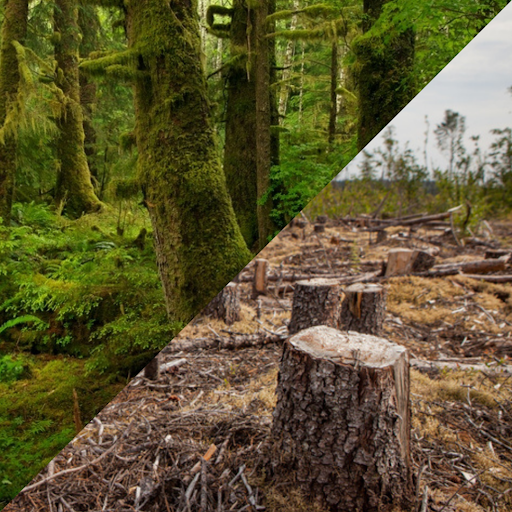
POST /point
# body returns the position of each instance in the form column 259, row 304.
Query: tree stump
column 404, row 261
column 342, row 420
column 152, row 369
column 315, row 302
column 260, row 281
column 319, row 228
column 382, row 235
column 226, row 305
column 299, row 223
column 322, row 219
column 363, row 309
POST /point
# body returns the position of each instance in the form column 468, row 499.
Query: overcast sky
column 475, row 84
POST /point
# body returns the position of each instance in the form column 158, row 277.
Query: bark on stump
column 342, row 420
column 260, row 282
column 316, row 302
column 152, row 369
column 319, row 228
column 226, row 305
column 404, row 261
column 363, row 309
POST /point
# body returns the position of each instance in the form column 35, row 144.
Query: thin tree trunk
column 301, row 88
column 287, row 68
column 334, row 84
column 266, row 227
column 198, row 243
column 14, row 28
column 74, row 190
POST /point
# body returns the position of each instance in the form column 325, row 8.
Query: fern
column 21, row 320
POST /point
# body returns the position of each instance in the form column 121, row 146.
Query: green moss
column 36, row 415
column 14, row 28
column 199, row 245
column 74, row 190
column 384, row 71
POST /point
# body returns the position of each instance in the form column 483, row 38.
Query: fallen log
column 439, row 366
column 474, row 267
column 504, row 278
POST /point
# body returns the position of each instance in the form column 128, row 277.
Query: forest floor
column 215, row 395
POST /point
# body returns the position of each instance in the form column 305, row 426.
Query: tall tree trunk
column 89, row 25
column 74, row 191
column 198, row 243
column 266, row 227
column 287, row 68
column 334, row 83
column 14, row 28
column 240, row 146
column 384, row 74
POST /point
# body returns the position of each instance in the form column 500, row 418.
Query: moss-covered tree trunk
column 384, row 70
column 198, row 242
column 74, row 190
column 14, row 28
column 240, row 145
column 89, row 25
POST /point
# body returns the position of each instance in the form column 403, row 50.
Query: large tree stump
column 363, row 309
column 342, row 420
column 315, row 302
column 260, row 281
column 226, row 305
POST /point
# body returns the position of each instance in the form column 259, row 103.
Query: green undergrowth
column 81, row 308
column 87, row 288
column 36, row 412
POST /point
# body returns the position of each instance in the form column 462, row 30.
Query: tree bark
column 240, row 148
column 405, row 261
column 342, row 420
column 226, row 305
column 14, row 28
column 198, row 243
column 384, row 70
column 74, row 191
column 266, row 227
column 316, row 302
column 89, row 25
column 363, row 309
column 287, row 68
column 334, row 98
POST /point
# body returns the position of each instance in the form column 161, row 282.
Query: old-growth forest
column 148, row 149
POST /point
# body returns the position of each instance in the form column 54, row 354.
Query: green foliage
column 304, row 170
column 76, row 285
column 36, row 413
column 10, row 369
